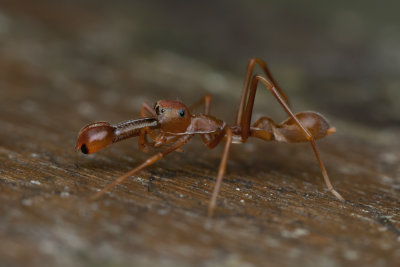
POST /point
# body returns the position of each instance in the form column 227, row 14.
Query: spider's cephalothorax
column 173, row 116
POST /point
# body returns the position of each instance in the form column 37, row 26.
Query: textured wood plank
column 61, row 68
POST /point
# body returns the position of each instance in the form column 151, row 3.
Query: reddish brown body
column 171, row 123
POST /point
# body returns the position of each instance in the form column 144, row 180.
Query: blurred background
column 66, row 63
column 340, row 57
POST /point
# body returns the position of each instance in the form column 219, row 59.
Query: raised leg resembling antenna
column 249, row 72
column 142, row 140
column 206, row 101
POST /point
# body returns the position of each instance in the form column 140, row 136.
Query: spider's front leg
column 142, row 140
column 246, row 86
column 206, row 101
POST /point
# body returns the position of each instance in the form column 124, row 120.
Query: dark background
column 64, row 64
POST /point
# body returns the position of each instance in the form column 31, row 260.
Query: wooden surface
column 65, row 65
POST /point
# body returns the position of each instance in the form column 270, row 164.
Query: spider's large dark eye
column 157, row 109
column 181, row 113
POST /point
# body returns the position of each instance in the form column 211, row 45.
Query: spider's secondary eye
column 158, row 110
column 182, row 113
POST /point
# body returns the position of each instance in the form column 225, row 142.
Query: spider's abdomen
column 288, row 131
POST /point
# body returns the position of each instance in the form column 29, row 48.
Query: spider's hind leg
column 293, row 123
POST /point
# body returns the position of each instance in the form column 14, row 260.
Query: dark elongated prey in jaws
column 96, row 136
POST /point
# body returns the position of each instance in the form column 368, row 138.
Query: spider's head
column 173, row 116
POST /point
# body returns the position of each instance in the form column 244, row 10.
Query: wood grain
column 63, row 68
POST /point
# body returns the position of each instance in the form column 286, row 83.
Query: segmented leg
column 183, row 140
column 221, row 171
column 245, row 123
column 142, row 140
column 249, row 71
column 206, row 101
